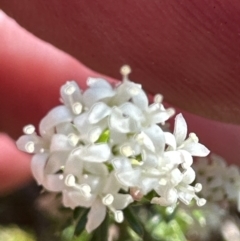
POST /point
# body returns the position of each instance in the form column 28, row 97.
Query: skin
column 188, row 51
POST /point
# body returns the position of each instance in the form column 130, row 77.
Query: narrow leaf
column 133, row 221
column 77, row 212
column 81, row 222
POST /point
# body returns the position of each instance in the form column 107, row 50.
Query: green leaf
column 81, row 222
column 104, row 137
column 77, row 212
column 101, row 233
column 133, row 221
column 67, row 233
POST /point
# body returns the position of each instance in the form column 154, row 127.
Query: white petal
column 31, row 143
column 81, row 122
column 96, row 215
column 37, row 166
column 172, row 158
column 96, row 153
column 56, row 162
column 53, row 183
column 129, row 109
column 93, row 95
column 112, row 185
column 140, row 100
column 96, row 168
column 149, row 159
column 180, row 129
column 98, row 111
column 176, row 177
column 129, row 178
column 71, row 94
column 148, row 184
column 66, row 128
column 156, row 134
column 169, row 198
column 60, row 142
column 160, row 201
column 57, row 115
column 172, row 196
column 94, row 134
column 117, row 137
column 75, row 199
column 74, row 165
column 121, row 164
column 120, row 123
column 186, row 197
column 121, row 201
column 98, row 83
column 160, row 117
column 196, row 149
column 189, row 176
column 170, row 140
column 125, row 91
column 187, row 159
column 144, row 140
column 96, row 183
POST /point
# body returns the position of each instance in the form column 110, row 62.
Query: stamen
column 77, row 108
column 73, row 139
column 61, row 177
column 198, row 187
column 108, row 199
column 125, row 71
column 29, row 147
column 29, row 129
column 118, row 216
column 69, row 89
column 86, row 189
column 76, row 151
column 200, row 201
column 91, row 81
column 194, row 137
column 127, row 151
column 134, row 90
column 70, row 180
column 162, row 181
column 158, row 98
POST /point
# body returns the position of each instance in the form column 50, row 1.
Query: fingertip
column 14, row 166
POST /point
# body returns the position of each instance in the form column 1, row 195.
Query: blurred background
column 27, row 216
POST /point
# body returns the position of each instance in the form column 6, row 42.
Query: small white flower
column 106, row 139
column 220, row 182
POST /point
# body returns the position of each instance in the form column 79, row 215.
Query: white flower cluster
column 220, row 181
column 104, row 148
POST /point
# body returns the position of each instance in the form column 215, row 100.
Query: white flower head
column 220, row 181
column 105, row 147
